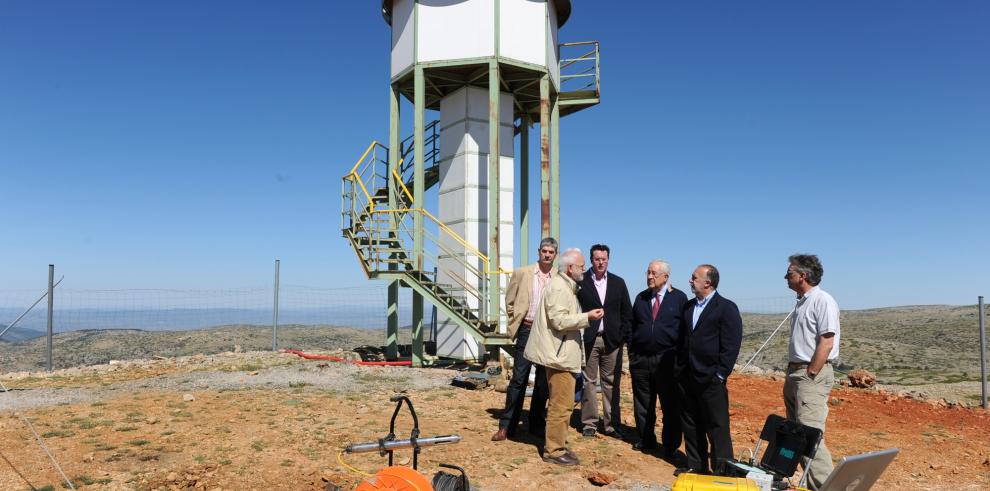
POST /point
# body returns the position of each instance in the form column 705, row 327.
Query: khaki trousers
column 806, row 400
column 559, row 412
column 600, row 369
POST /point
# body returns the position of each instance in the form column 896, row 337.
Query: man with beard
column 711, row 335
column 555, row 343
column 521, row 299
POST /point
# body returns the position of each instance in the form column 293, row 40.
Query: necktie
column 656, row 307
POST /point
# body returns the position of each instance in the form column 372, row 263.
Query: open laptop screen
column 859, row 472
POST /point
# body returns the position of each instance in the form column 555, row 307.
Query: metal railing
column 431, row 149
column 579, row 67
column 365, row 216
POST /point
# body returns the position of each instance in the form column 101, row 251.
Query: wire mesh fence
column 907, row 346
column 96, row 326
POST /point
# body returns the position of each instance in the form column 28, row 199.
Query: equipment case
column 698, row 482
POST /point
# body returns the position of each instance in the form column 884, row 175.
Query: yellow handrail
column 452, row 235
column 398, row 179
column 365, row 154
column 371, row 202
column 354, row 176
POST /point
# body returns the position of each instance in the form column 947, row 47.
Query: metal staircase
column 378, row 214
column 382, row 237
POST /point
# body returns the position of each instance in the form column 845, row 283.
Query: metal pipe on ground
column 385, row 446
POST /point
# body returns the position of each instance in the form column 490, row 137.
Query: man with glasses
column 813, row 348
column 657, row 314
column 711, row 335
column 521, row 299
column 556, row 344
column 603, row 339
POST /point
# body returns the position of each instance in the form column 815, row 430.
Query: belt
column 796, row 365
column 525, row 324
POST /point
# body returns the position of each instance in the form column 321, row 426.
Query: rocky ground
column 262, row 420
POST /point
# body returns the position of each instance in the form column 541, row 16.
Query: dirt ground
column 211, row 424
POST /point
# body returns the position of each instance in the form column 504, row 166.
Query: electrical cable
column 340, row 458
column 41, row 442
column 341, row 360
column 16, row 470
column 748, row 363
column 444, row 481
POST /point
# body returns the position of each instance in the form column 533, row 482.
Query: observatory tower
column 493, row 69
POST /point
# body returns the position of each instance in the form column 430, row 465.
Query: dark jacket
column 713, row 345
column 618, row 312
column 650, row 336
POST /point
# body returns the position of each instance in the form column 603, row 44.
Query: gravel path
column 207, row 375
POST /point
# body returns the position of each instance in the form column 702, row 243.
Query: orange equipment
column 396, row 478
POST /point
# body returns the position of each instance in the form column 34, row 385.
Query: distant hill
column 74, row 319
column 911, row 345
column 16, row 334
column 90, row 347
column 902, row 345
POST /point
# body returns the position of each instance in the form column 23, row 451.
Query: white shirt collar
column 704, row 301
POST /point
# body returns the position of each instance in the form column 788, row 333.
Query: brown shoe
column 567, row 458
column 500, row 435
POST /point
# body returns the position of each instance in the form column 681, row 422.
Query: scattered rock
column 862, row 379
column 172, row 477
column 237, row 348
column 188, row 397
column 114, row 362
column 599, row 478
column 152, row 420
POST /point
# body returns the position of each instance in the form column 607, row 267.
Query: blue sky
column 188, row 144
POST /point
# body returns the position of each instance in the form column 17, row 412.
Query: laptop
column 859, row 472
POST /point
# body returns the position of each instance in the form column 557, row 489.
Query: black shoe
column 565, row 459
column 612, row 433
column 689, row 470
column 645, row 446
column 669, row 452
column 588, row 433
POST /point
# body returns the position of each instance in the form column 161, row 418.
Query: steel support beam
column 417, row 329
column 392, row 308
column 524, row 191
column 545, row 156
column 419, row 187
column 494, row 191
column 555, row 168
column 419, row 115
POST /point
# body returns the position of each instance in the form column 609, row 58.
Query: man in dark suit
column 603, row 343
column 656, row 324
column 711, row 333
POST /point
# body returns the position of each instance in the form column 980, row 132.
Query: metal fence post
column 275, row 311
column 51, row 308
column 983, row 354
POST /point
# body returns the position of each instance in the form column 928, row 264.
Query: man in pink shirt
column 521, row 299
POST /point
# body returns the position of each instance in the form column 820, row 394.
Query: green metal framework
column 384, row 217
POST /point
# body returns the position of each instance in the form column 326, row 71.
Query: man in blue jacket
column 652, row 345
column 711, row 334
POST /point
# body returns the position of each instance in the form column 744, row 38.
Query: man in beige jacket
column 555, row 343
column 521, row 298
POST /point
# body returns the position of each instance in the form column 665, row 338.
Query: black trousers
column 705, row 418
column 653, row 377
column 515, row 394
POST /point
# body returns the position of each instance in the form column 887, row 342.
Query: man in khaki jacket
column 557, row 345
column 521, row 298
